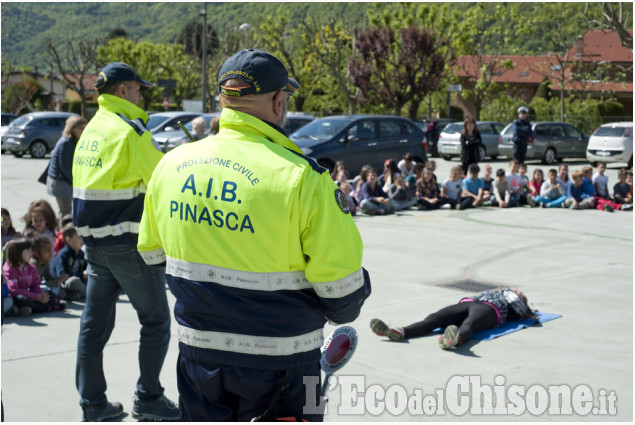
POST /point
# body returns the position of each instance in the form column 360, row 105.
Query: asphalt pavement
column 578, row 264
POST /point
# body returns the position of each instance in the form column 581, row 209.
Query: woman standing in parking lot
column 60, row 176
column 470, row 143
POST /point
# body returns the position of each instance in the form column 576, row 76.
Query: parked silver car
column 169, row 140
column 612, row 142
column 6, row 120
column 36, row 133
column 166, row 121
column 552, row 142
column 450, row 139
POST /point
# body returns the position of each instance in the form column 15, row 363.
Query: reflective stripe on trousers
column 250, row 344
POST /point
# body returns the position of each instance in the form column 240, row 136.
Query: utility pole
column 203, row 13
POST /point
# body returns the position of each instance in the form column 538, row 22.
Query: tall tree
column 615, row 17
column 488, row 30
column 17, row 96
column 561, row 65
column 154, row 61
column 191, row 38
column 390, row 68
column 437, row 18
column 332, row 45
column 293, row 47
column 78, row 59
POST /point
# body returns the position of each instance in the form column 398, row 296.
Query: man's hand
column 63, row 278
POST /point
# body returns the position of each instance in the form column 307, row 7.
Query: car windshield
column 189, row 124
column 155, row 121
column 20, row 121
column 322, row 129
column 610, row 131
column 454, row 128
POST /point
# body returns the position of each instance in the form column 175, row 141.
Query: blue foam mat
column 509, row 327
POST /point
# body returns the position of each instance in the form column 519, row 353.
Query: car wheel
column 594, row 164
column 38, row 149
column 549, row 157
column 447, row 157
column 18, row 154
column 481, row 154
column 326, row 163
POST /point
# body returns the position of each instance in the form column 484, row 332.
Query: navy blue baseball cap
column 119, row 72
column 262, row 71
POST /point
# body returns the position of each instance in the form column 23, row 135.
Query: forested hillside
column 27, row 27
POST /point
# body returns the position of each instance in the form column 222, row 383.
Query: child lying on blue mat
column 481, row 312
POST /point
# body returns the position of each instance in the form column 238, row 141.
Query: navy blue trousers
column 212, row 392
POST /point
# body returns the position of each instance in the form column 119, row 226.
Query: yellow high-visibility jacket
column 259, row 245
column 112, row 166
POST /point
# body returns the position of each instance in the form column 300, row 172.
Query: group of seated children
column 408, row 184
column 42, row 267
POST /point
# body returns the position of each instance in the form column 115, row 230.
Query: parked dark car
column 552, row 142
column 167, row 121
column 36, row 133
column 433, row 129
column 297, row 120
column 360, row 140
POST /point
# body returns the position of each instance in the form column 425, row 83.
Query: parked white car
column 612, row 142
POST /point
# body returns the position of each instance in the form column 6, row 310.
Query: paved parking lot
column 575, row 263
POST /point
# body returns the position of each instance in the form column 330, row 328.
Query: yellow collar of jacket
column 245, row 124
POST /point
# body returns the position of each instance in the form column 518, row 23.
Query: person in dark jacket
column 478, row 313
column 59, row 182
column 470, row 143
column 522, row 134
column 373, row 198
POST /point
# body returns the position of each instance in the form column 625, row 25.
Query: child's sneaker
column 450, row 337
column 382, row 329
column 608, row 208
column 530, row 201
column 627, row 207
column 25, row 310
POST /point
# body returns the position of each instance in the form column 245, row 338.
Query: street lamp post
column 203, row 13
column 244, row 29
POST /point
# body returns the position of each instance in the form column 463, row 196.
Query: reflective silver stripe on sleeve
column 249, row 344
column 341, row 287
column 262, row 281
column 108, row 195
column 113, row 230
column 154, row 257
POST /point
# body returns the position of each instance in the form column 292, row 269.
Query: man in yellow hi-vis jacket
column 260, row 251
column 112, row 165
